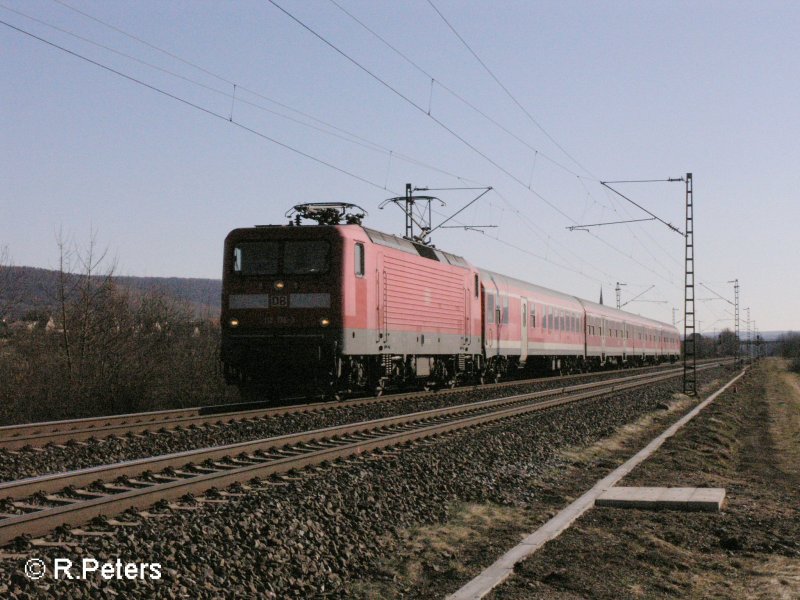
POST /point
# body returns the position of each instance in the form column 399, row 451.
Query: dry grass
column 783, row 390
column 620, row 440
column 748, row 442
column 438, row 549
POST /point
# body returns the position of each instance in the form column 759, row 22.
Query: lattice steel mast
column 689, row 349
column 749, row 338
column 735, row 283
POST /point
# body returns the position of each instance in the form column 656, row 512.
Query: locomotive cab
column 281, row 306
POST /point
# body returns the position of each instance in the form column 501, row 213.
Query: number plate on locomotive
column 279, row 301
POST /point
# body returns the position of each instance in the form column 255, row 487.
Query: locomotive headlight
column 233, row 322
column 279, row 285
column 324, row 321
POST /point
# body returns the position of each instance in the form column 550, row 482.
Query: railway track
column 15, row 437
column 40, row 504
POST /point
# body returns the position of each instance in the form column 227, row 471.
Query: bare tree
column 114, row 348
column 9, row 289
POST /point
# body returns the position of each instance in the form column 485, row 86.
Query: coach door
column 625, row 349
column 467, row 311
column 603, row 334
column 523, row 349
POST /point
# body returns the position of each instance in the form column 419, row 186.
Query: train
column 340, row 308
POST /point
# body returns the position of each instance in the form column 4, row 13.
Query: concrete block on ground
column 708, row 499
column 680, row 498
column 630, row 497
column 675, row 498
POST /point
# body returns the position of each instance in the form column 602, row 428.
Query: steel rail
column 56, row 481
column 15, row 437
column 265, row 457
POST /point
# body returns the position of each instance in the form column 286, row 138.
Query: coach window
column 505, row 309
column 533, row 316
column 524, row 316
column 476, row 285
column 490, row 308
column 359, row 259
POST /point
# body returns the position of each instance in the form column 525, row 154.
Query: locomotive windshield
column 290, row 257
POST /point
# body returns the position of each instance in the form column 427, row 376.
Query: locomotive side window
column 524, row 316
column 359, row 260
column 476, row 285
column 305, row 257
column 256, row 258
column 490, row 308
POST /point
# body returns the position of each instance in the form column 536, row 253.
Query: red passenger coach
column 340, row 307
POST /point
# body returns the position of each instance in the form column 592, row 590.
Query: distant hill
column 26, row 289
column 770, row 335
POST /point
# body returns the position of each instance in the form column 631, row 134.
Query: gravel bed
column 318, row 533
column 54, row 459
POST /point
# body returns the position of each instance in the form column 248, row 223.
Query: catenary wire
column 193, row 105
column 453, row 133
column 450, row 90
column 508, row 93
column 246, row 128
column 357, row 140
column 285, row 145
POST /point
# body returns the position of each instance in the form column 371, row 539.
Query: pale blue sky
column 630, row 90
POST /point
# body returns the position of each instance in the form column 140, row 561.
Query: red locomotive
column 340, row 307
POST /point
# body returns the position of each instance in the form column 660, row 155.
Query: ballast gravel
column 30, row 462
column 316, row 533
